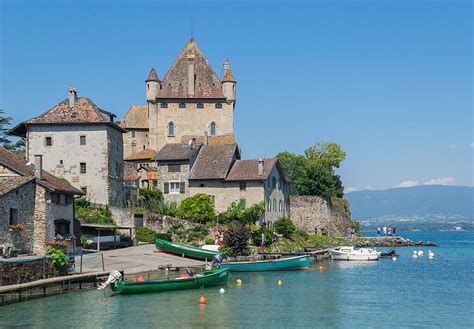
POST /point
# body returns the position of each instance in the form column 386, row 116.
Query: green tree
column 198, row 207
column 5, row 142
column 253, row 213
column 235, row 211
column 236, row 240
column 285, row 227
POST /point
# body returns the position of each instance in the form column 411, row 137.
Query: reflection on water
column 417, row 293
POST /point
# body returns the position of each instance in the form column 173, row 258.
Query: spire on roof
column 227, row 76
column 152, row 76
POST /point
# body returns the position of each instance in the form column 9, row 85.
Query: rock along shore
column 389, row 241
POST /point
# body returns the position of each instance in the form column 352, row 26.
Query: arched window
column 171, row 128
column 213, row 129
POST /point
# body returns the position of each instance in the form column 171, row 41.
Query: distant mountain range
column 435, row 203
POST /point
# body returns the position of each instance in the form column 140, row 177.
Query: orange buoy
column 184, row 275
column 141, row 279
column 320, row 268
column 202, row 300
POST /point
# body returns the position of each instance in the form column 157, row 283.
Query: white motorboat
column 357, row 254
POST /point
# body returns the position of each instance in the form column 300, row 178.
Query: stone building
column 143, row 158
column 81, row 143
column 32, row 197
column 190, row 100
column 135, row 122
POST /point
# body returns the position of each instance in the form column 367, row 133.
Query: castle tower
column 228, row 84
column 152, row 86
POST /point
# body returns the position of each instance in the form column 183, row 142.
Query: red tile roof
column 246, row 170
column 136, row 117
column 147, row 154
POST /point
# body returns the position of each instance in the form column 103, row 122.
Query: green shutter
column 182, row 187
column 167, row 188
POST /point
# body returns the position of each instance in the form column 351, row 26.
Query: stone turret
column 152, row 86
column 228, row 83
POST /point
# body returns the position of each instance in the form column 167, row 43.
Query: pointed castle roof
column 206, row 82
column 152, row 76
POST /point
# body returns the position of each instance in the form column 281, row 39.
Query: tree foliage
column 5, row 142
column 198, row 207
column 236, row 240
column 237, row 211
column 285, row 227
column 313, row 173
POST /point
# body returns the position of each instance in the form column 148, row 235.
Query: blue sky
column 390, row 81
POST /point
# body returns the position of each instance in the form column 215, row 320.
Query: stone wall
column 13, row 272
column 317, row 215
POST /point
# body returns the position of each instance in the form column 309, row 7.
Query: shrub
column 198, row 207
column 209, row 241
column 285, row 227
column 84, row 242
column 165, row 208
column 153, row 194
column 236, row 240
column 253, row 214
column 59, row 257
column 92, row 213
column 237, row 212
column 257, row 236
column 164, row 236
column 145, row 234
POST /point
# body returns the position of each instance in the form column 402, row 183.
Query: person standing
column 378, row 230
column 389, row 231
column 394, row 230
column 384, row 229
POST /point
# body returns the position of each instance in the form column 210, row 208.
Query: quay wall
column 321, row 216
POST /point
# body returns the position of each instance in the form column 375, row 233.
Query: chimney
column 38, row 165
column 72, row 96
column 192, row 143
column 206, row 138
column 191, row 75
column 260, row 167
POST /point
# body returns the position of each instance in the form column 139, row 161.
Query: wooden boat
column 281, row 264
column 200, row 279
column 184, row 250
column 357, row 254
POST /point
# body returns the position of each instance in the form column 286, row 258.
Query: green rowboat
column 281, row 264
column 184, row 250
column 201, row 279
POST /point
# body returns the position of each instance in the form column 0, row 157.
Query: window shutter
column 167, row 188
column 182, row 187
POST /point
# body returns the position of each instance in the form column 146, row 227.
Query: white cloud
column 350, row 189
column 408, row 183
column 442, row 181
column 452, row 146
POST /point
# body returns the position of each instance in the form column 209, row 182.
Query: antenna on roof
column 192, row 28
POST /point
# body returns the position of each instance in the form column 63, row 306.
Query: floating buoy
column 279, row 282
column 320, row 268
column 238, row 282
column 222, row 291
column 414, row 254
column 141, row 279
column 430, row 255
column 394, row 258
column 202, row 300
column 420, row 252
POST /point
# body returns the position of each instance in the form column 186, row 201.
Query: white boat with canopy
column 352, row 253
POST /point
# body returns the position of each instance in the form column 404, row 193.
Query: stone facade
column 101, row 154
column 172, row 193
column 317, row 215
column 276, row 196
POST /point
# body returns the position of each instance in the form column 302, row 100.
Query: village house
column 135, row 121
column 143, row 158
column 34, row 205
column 81, row 143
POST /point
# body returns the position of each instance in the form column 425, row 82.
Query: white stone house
column 39, row 201
column 80, row 142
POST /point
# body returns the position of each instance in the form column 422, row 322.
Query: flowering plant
column 17, row 227
column 56, row 243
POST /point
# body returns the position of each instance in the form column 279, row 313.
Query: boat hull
column 282, row 264
column 354, row 254
column 203, row 279
column 183, row 250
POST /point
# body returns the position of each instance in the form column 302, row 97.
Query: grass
column 298, row 243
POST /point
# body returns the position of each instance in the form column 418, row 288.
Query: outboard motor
column 217, row 260
column 113, row 277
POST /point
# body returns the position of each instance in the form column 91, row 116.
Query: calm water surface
column 404, row 294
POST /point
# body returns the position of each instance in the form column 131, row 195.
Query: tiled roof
column 85, row 111
column 174, row 152
column 19, row 165
column 246, row 170
column 8, row 184
column 147, row 154
column 229, row 76
column 214, row 161
column 131, row 178
column 211, row 140
column 136, row 117
column 152, row 76
column 175, row 82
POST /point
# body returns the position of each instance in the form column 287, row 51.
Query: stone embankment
column 389, row 241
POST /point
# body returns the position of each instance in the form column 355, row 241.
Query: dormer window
column 164, row 105
column 182, row 105
column 218, row 105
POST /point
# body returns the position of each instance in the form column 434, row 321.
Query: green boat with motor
column 184, row 250
column 177, row 282
column 280, row 264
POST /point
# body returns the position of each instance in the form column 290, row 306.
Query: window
column 83, row 168
column 218, row 105
column 164, row 105
column 62, row 199
column 174, row 168
column 133, row 134
column 243, row 186
column 200, row 105
column 13, row 216
column 269, row 205
column 213, row 129
column 280, row 206
column 171, row 129
column 62, row 227
column 274, row 205
column 48, row 141
column 182, row 105
column 61, row 162
column 83, row 140
column 174, row 187
column 54, row 198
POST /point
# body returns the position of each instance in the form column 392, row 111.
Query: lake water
column 404, row 294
